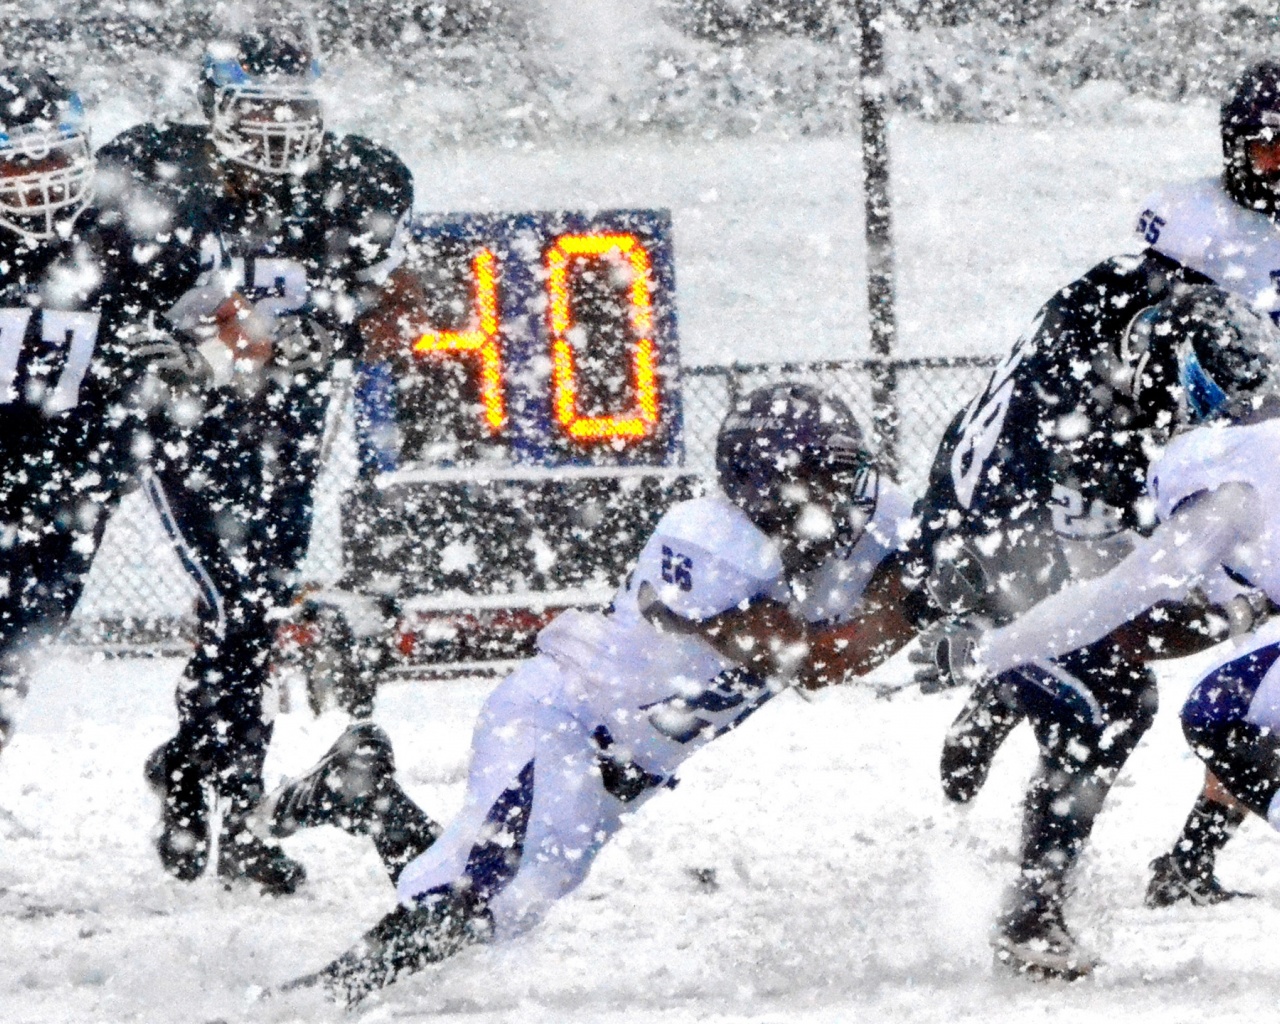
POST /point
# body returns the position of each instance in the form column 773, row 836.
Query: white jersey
column 1203, row 228
column 1209, row 457
column 660, row 696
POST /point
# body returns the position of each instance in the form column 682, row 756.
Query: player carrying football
column 735, row 596
column 301, row 238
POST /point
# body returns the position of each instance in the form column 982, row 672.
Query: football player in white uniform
column 1225, row 229
column 1218, row 505
column 732, row 600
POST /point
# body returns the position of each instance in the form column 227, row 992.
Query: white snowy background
column 808, row 868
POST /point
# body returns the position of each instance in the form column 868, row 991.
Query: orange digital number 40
column 482, row 338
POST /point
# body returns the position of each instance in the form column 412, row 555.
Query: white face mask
column 273, row 128
column 46, row 180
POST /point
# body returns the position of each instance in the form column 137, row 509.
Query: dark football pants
column 1088, row 710
column 1243, row 755
column 235, row 494
column 54, row 504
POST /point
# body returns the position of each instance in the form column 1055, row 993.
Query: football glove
column 947, row 656
column 302, row 344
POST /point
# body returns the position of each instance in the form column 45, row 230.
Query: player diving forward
column 722, row 611
column 80, row 296
column 1218, row 505
column 303, row 240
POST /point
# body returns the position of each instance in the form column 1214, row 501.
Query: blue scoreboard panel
column 551, row 342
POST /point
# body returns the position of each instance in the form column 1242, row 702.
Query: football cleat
column 1036, row 944
column 1171, row 883
column 438, row 926
column 342, row 789
column 183, row 843
column 984, row 723
column 242, row 856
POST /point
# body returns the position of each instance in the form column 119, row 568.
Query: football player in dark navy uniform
column 80, row 298
column 1042, row 479
column 305, row 229
column 1045, row 471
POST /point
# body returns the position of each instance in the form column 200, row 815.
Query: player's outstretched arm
column 762, row 635
column 856, row 646
column 1177, row 557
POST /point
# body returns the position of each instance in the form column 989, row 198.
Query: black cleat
column 242, row 856
column 342, row 789
column 183, row 843
column 404, row 941
column 1171, row 883
column 1037, row 945
column 984, row 723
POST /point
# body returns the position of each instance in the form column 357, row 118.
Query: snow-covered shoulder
column 1200, row 226
column 706, row 556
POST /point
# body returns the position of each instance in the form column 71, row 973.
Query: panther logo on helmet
column 46, row 164
column 1225, row 351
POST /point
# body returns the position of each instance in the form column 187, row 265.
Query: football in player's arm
column 301, row 232
column 728, row 604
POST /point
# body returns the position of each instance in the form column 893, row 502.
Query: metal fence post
column 879, row 229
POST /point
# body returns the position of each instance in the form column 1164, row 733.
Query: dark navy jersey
column 71, row 314
column 1056, row 446
column 318, row 243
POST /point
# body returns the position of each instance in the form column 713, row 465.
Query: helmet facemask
column 272, row 128
column 46, row 179
column 1250, row 126
column 825, row 509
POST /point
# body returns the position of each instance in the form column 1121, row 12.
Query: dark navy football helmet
column 792, row 458
column 1226, row 353
column 1251, row 115
column 259, row 95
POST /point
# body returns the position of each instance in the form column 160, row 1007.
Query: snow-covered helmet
column 1226, row 352
column 46, row 165
column 792, row 458
column 259, row 95
column 1251, row 114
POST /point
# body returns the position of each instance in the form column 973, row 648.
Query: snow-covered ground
column 843, row 886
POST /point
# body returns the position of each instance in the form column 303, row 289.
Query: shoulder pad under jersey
column 718, row 527
column 1201, row 227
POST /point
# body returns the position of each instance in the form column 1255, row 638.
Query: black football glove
column 174, row 361
column 302, row 344
column 946, row 657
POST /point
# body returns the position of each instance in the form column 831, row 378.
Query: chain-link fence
column 138, row 595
